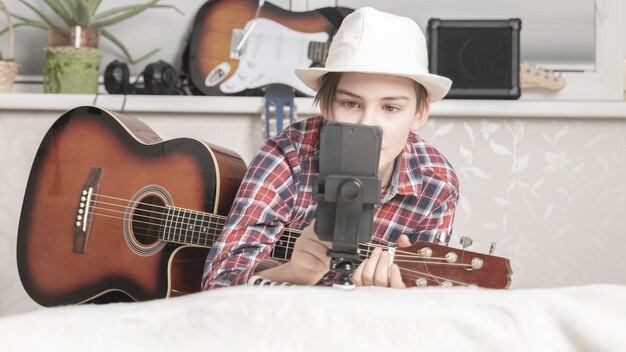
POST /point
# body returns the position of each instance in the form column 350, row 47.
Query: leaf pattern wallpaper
column 550, row 193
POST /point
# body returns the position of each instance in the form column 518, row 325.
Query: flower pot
column 71, row 70
column 78, row 37
column 8, row 71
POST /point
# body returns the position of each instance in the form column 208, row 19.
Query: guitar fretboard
column 192, row 227
column 202, row 229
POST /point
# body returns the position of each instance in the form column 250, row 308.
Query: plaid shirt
column 277, row 192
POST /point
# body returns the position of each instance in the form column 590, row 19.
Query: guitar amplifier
column 481, row 57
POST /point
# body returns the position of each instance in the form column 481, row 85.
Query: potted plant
column 83, row 14
column 74, row 36
column 8, row 68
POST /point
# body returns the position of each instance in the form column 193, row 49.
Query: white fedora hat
column 371, row 41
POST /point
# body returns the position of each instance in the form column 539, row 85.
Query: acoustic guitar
column 110, row 207
column 232, row 50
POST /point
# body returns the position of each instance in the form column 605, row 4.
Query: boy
column 376, row 73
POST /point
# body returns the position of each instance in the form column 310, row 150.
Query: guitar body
column 278, row 43
column 136, row 172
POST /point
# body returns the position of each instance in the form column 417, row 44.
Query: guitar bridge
column 235, row 38
column 84, row 213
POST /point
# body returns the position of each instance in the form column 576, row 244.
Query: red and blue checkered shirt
column 277, row 192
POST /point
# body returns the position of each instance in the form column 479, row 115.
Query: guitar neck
column 190, row 227
column 196, row 228
column 421, row 264
column 201, row 229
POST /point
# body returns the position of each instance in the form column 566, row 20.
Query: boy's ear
column 421, row 115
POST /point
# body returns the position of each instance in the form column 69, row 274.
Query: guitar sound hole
column 147, row 219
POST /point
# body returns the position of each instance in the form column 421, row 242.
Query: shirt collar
column 407, row 177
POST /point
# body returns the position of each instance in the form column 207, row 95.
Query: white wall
column 570, row 23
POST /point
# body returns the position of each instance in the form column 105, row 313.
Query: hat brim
column 436, row 86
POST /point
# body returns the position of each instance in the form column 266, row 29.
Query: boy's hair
column 328, row 86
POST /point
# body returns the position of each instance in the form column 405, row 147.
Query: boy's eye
column 350, row 104
column 391, row 108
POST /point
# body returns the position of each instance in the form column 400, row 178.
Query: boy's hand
column 309, row 261
column 378, row 270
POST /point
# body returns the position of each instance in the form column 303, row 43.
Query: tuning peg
column 492, row 248
column 466, row 241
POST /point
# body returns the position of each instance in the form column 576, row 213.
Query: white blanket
column 586, row 318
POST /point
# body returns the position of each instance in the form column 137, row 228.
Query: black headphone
column 159, row 78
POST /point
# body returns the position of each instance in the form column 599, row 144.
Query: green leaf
column 43, row 17
column 170, row 7
column 24, row 24
column 70, row 5
column 121, row 46
column 116, row 15
column 122, row 13
column 92, row 6
column 29, row 24
column 82, row 15
column 61, row 11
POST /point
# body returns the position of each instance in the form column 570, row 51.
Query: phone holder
column 347, row 188
column 350, row 193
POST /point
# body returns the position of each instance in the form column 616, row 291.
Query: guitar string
column 412, row 260
column 409, row 254
column 399, row 253
column 435, row 277
column 409, row 273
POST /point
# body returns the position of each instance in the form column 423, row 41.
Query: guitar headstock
column 531, row 76
column 428, row 264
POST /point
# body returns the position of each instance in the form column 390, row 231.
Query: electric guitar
column 533, row 77
column 231, row 50
column 110, row 207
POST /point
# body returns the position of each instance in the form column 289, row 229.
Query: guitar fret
column 195, row 234
column 189, row 227
column 203, row 230
column 183, row 228
column 167, row 225
column 179, row 227
column 194, row 225
column 287, row 246
column 219, row 225
column 175, row 226
column 211, row 231
column 212, row 227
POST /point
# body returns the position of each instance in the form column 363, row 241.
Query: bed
column 585, row 318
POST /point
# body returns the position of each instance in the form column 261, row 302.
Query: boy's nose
column 368, row 118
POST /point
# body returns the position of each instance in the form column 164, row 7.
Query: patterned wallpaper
column 550, row 192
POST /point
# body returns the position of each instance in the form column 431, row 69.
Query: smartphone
column 347, row 151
